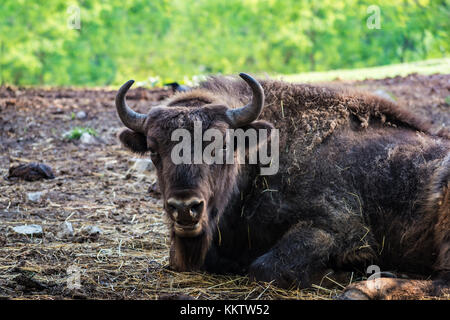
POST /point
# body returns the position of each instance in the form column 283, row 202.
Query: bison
column 361, row 182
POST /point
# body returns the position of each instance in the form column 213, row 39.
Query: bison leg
column 300, row 257
column 395, row 289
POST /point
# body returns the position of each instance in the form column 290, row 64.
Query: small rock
column 55, row 110
column 66, row 230
column 86, row 138
column 110, row 165
column 91, row 230
column 26, row 282
column 34, row 196
column 141, row 165
column 29, row 230
column 80, row 115
column 31, row 172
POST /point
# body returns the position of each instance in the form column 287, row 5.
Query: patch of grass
column 422, row 67
column 77, row 132
column 447, row 100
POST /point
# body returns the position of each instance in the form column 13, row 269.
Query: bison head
column 194, row 194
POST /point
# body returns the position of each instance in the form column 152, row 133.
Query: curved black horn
column 130, row 118
column 241, row 116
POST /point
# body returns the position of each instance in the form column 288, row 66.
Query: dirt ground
column 94, row 186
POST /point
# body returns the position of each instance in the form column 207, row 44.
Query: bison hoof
column 353, row 294
column 263, row 270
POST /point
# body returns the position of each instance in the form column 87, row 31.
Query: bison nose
column 186, row 211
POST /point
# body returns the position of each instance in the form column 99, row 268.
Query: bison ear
column 133, row 141
column 257, row 125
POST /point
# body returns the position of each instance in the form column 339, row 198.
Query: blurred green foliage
column 174, row 39
column 77, row 132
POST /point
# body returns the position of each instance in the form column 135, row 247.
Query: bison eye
column 152, row 151
column 155, row 157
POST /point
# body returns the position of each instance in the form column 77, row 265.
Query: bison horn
column 130, row 118
column 241, row 116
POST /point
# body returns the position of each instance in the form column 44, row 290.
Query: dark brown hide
column 361, row 181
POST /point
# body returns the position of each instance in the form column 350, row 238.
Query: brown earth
column 93, row 186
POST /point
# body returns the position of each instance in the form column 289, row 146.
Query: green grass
column 403, row 69
column 77, row 132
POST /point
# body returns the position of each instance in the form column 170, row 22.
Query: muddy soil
column 127, row 256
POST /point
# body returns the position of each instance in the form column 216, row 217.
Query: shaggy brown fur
column 361, row 182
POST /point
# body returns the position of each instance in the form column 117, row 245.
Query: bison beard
column 361, row 181
column 188, row 254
